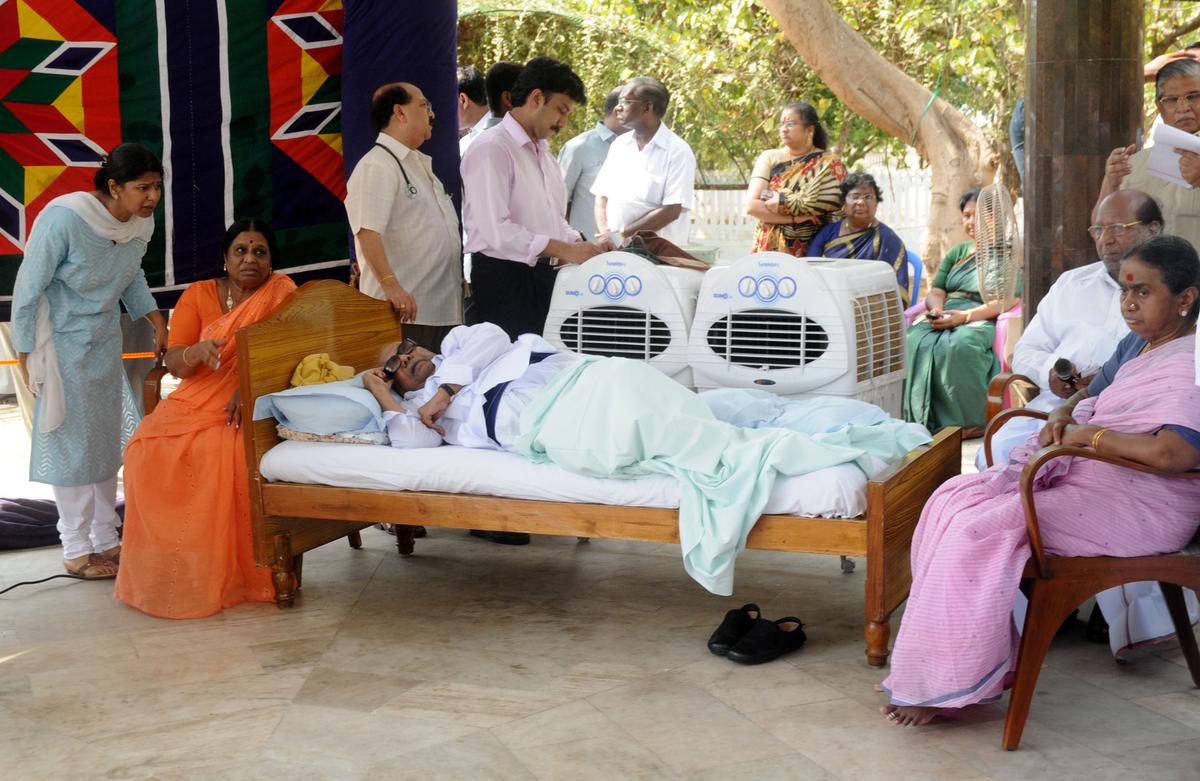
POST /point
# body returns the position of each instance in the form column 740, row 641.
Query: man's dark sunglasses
column 393, row 364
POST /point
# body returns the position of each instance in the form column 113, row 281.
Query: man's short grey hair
column 652, row 91
column 1174, row 69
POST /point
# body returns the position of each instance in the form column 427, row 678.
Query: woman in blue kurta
column 859, row 235
column 83, row 256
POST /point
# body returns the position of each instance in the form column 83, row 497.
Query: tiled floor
column 557, row 660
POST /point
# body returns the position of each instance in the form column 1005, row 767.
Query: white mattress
column 836, row 492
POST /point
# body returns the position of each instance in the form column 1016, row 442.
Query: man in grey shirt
column 581, row 159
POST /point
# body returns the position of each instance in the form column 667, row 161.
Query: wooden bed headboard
column 320, row 317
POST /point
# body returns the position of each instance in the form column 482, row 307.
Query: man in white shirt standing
column 1080, row 317
column 472, row 103
column 581, row 159
column 648, row 179
column 406, row 234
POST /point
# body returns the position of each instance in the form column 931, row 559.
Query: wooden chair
column 1058, row 584
column 1000, row 394
column 152, row 394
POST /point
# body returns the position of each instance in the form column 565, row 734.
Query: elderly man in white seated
column 612, row 417
column 1080, row 320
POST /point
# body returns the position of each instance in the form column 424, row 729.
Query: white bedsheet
column 837, row 492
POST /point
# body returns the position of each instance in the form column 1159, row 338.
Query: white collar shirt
column 419, row 231
column 514, row 200
column 1079, row 319
column 638, row 181
column 464, row 143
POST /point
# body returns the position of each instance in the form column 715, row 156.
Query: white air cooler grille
column 879, row 326
column 615, row 331
column 768, row 339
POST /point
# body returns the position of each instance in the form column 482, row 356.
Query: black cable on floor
column 43, row 580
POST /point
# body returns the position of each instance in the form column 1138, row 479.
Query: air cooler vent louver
column 616, row 331
column 768, row 339
column 879, row 334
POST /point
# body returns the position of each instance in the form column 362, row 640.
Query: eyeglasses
column 1172, row 103
column 790, row 124
column 393, row 364
column 1116, row 229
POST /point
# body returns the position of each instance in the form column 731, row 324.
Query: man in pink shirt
column 515, row 202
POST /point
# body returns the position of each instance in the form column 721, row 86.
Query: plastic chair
column 1000, row 343
column 915, row 269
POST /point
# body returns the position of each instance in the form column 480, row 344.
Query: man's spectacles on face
column 393, row 364
column 1172, row 103
column 1116, row 229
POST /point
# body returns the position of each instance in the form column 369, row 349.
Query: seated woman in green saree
column 950, row 359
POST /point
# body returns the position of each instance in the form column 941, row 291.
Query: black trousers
column 512, row 295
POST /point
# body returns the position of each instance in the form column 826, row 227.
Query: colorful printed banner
column 240, row 98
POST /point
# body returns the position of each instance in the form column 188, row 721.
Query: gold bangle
column 968, row 317
column 184, row 356
column 385, row 279
column 1096, row 439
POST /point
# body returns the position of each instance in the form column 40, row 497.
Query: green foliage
column 730, row 69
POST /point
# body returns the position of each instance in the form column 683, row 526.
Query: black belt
column 491, row 398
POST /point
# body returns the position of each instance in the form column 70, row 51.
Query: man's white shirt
column 638, row 181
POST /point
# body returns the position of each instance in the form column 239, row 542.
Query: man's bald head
column 1123, row 219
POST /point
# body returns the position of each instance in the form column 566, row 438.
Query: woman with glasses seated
column 859, row 235
column 187, row 549
column 794, row 190
column 1177, row 94
column 950, row 358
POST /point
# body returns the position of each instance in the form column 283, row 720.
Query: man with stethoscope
column 406, row 233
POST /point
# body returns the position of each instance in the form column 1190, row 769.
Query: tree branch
column 1171, row 36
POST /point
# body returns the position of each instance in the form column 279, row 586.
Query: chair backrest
column 915, row 269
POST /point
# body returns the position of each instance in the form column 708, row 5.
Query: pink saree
column 957, row 642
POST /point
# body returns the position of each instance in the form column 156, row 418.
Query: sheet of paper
column 1164, row 160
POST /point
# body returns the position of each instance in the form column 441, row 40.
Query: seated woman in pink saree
column 957, row 643
column 187, row 550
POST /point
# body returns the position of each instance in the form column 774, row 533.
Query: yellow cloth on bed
column 317, row 368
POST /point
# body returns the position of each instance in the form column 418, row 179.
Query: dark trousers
column 512, row 295
column 428, row 336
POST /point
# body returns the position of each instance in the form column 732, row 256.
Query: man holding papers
column 1170, row 170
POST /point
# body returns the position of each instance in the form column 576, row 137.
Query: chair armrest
column 994, row 424
column 998, row 388
column 913, row 312
column 152, row 387
column 1047, row 454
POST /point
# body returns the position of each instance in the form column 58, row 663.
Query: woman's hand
column 207, row 352
column 1056, row 425
column 1078, row 435
column 947, row 319
column 233, row 411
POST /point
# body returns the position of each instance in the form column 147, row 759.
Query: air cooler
column 801, row 327
column 619, row 304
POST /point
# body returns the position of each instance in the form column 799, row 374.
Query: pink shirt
column 514, row 200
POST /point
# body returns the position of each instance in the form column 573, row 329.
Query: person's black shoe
column 1097, row 627
column 733, row 628
column 503, row 538
column 768, row 640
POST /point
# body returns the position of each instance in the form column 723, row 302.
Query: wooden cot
column 291, row 518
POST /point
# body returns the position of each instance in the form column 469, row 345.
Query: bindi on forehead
column 1129, row 277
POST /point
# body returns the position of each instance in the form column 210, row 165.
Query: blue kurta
column 83, row 276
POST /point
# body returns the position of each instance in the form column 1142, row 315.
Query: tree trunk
column 959, row 154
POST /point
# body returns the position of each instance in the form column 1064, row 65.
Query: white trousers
column 87, row 517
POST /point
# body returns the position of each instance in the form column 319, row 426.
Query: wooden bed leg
column 877, row 633
column 298, row 570
column 404, row 539
column 282, row 575
column 355, row 540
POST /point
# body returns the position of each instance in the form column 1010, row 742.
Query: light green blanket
column 614, row 417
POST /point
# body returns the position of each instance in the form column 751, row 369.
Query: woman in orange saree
column 187, row 550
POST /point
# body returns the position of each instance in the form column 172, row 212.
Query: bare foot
column 910, row 715
column 879, row 688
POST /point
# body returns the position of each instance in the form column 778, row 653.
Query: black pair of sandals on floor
column 745, row 637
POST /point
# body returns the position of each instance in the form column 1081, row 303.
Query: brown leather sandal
column 113, row 554
column 96, row 567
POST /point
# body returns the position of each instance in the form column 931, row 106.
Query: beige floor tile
column 685, row 726
column 1044, row 754
column 1167, row 762
column 760, row 687
column 563, row 724
column 789, row 767
column 475, row 756
column 1184, row 707
column 459, row 703
column 593, row 758
column 346, row 690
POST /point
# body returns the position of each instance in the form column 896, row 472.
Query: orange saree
column 187, row 550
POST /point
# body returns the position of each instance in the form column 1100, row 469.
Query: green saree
column 949, row 371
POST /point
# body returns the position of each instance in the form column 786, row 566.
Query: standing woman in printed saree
column 188, row 546
column 950, row 358
column 957, row 643
column 83, row 259
column 859, row 235
column 794, row 190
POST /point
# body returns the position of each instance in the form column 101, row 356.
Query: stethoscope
column 412, row 190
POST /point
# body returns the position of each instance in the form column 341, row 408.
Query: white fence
column 720, row 220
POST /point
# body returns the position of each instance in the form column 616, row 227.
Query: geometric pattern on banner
column 304, row 51
column 59, row 107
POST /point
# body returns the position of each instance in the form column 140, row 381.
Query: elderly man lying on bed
column 612, row 417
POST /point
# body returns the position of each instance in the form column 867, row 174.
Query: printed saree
column 812, row 188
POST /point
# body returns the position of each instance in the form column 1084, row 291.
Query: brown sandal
column 113, row 554
column 96, row 567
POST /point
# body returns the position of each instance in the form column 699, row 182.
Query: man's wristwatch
column 448, row 389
